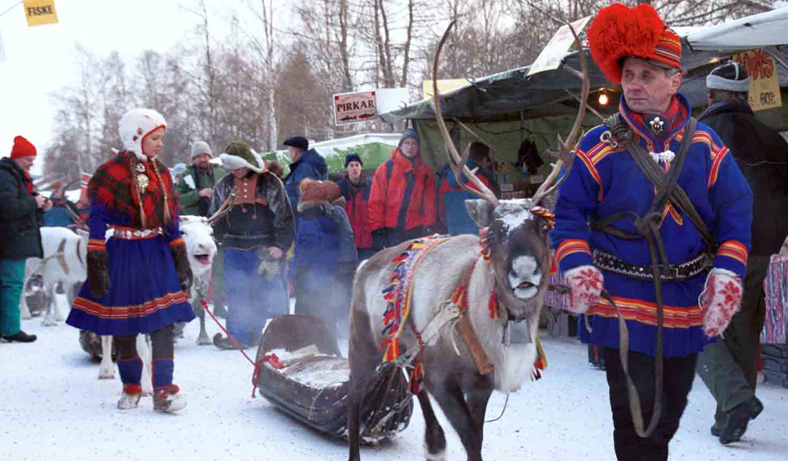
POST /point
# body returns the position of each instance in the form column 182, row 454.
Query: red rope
column 268, row 358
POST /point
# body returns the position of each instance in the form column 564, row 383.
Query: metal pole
column 12, row 7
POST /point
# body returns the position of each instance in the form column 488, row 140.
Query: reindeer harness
column 399, row 294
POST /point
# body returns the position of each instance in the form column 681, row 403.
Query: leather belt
column 672, row 273
column 129, row 233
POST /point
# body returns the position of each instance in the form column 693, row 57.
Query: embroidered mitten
column 720, row 299
column 586, row 283
column 98, row 273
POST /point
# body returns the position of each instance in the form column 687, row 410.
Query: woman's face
column 153, row 142
column 240, row 173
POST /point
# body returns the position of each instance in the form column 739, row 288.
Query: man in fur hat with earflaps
column 255, row 235
column 656, row 213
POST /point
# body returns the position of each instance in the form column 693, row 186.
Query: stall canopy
column 506, row 108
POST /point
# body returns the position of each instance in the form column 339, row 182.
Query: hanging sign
column 764, row 85
column 354, row 107
column 40, row 12
column 557, row 48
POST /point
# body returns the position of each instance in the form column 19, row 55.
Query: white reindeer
column 64, row 262
column 466, row 352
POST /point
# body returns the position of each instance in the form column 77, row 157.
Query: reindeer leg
column 452, row 401
column 363, row 358
column 24, row 311
column 49, row 318
column 434, row 439
column 144, row 351
column 202, row 339
column 58, row 315
column 477, row 402
column 107, row 368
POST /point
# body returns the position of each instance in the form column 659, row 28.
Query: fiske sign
column 40, row 12
column 354, row 107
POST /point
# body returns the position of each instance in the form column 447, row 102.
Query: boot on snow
column 131, row 397
column 169, row 399
column 737, row 420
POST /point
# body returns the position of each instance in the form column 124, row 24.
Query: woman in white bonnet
column 139, row 278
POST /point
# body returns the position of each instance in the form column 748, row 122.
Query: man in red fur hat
column 656, row 213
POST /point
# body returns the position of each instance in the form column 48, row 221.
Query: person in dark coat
column 452, row 196
column 20, row 211
column 306, row 163
column 355, row 189
column 325, row 256
column 403, row 199
column 728, row 367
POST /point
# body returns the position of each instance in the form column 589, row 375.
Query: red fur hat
column 619, row 31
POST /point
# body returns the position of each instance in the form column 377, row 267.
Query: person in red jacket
column 355, row 189
column 402, row 202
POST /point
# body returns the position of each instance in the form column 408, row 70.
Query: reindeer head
column 200, row 246
column 519, row 251
column 516, row 230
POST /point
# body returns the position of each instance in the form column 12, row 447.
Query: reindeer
column 200, row 249
column 457, row 373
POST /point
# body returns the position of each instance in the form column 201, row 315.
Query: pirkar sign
column 354, row 107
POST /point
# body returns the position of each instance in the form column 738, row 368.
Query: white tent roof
column 757, row 31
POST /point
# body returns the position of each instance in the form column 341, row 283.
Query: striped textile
column 775, row 326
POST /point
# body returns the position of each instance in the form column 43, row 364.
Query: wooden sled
column 302, row 373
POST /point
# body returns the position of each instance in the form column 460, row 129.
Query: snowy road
column 54, row 408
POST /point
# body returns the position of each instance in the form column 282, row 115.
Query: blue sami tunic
column 604, row 181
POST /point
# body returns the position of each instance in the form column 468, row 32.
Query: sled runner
column 302, row 372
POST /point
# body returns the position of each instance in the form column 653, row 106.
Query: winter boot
column 131, row 397
column 738, row 418
column 223, row 343
column 168, row 399
column 20, row 337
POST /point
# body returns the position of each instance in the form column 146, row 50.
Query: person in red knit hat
column 652, row 232
column 21, row 209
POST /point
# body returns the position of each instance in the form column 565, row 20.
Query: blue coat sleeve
column 731, row 200
column 577, row 201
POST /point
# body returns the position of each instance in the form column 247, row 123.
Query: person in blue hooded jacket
column 452, row 196
column 306, row 163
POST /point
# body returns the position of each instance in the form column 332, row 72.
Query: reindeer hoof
column 49, row 322
column 204, row 340
column 106, row 375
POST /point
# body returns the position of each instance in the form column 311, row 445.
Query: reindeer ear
column 480, row 210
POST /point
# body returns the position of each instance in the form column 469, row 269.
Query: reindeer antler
column 456, row 160
column 565, row 147
column 225, row 208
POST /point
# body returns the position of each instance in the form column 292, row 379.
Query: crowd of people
column 681, row 256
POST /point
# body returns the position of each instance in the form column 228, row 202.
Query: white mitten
column 586, row 283
column 720, row 299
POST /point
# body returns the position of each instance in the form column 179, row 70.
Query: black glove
column 98, row 274
column 379, row 237
column 182, row 267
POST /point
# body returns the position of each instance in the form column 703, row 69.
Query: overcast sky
column 39, row 59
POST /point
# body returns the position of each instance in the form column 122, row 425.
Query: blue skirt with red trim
column 144, row 293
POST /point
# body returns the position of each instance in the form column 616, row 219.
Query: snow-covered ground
column 54, row 408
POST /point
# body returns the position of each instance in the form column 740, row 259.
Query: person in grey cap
column 728, row 367
column 195, row 186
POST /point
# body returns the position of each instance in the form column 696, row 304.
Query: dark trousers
column 677, row 378
column 727, row 367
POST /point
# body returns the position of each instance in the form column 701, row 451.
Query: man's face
column 294, row 153
column 240, row 173
column 409, row 147
column 202, row 161
column 648, row 88
column 25, row 163
column 354, row 170
column 153, row 142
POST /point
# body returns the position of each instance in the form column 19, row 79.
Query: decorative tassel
column 416, row 377
column 492, row 304
column 486, row 245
